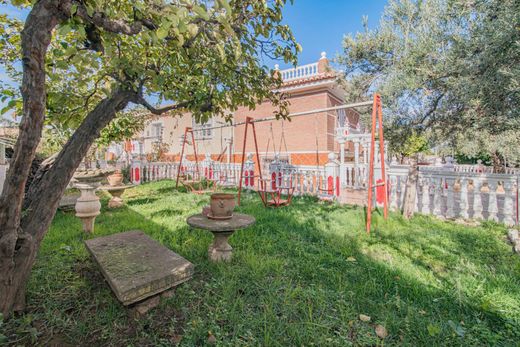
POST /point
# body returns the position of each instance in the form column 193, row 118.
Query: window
column 202, row 131
column 157, row 130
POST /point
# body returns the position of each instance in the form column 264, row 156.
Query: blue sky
column 319, row 25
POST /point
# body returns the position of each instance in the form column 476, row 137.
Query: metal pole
column 294, row 115
column 180, row 160
column 243, row 159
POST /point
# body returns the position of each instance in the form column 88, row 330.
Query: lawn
column 300, row 277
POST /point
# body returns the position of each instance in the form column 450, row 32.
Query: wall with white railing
column 455, row 194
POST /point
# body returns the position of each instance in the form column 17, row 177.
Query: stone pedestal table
column 220, row 249
column 116, row 192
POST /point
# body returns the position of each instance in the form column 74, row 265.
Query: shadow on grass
column 301, row 275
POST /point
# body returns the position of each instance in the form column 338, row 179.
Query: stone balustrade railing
column 458, row 194
column 448, row 194
column 299, row 72
column 354, row 176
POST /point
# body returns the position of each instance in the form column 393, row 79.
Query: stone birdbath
column 88, row 206
column 116, row 200
column 220, row 249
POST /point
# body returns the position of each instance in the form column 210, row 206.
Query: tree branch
column 139, row 99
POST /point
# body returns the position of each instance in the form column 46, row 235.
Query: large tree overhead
column 446, row 67
column 82, row 61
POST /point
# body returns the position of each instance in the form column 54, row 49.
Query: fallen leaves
column 364, row 318
column 381, row 331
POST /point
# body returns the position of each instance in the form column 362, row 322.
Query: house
column 303, row 141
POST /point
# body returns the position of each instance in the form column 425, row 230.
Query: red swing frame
column 270, row 197
column 377, row 115
column 191, row 186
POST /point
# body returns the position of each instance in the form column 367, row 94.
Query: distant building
column 308, row 139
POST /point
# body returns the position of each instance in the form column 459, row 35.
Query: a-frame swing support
column 377, row 116
column 249, row 121
column 187, row 131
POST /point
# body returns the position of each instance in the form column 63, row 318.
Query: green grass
column 300, row 276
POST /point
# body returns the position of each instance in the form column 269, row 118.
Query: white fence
column 303, row 180
column 440, row 192
column 458, row 194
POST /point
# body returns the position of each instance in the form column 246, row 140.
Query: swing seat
column 274, row 197
column 326, row 197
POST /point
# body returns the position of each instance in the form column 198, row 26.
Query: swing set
column 278, row 189
column 192, row 180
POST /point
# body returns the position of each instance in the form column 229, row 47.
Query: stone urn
column 116, row 179
column 222, row 205
column 88, row 206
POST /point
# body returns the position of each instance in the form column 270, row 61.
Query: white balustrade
column 458, row 194
column 299, row 72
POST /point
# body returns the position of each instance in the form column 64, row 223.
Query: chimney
column 276, row 72
column 323, row 63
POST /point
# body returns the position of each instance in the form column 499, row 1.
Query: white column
column 229, row 143
column 356, row 152
column 341, row 142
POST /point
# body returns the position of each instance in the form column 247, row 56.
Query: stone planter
column 222, row 204
column 116, row 179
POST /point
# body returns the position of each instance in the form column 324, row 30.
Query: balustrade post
column 477, row 199
column 464, row 198
column 394, row 204
column 450, row 198
column 508, row 203
column 332, row 170
column 437, row 197
column 425, row 196
column 493, row 206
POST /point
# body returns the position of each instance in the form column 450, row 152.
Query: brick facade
column 308, row 138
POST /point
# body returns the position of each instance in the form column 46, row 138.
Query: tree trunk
column 36, row 37
column 43, row 198
column 498, row 163
column 411, row 190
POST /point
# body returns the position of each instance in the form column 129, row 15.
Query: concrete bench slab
column 137, row 267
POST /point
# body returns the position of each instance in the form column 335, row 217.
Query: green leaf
column 64, row 30
column 162, row 33
column 201, row 12
column 73, row 9
column 224, row 4
column 433, row 330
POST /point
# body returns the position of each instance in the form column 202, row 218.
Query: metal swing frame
column 193, row 185
column 270, row 193
column 377, row 116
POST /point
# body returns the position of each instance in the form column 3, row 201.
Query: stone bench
column 138, row 268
